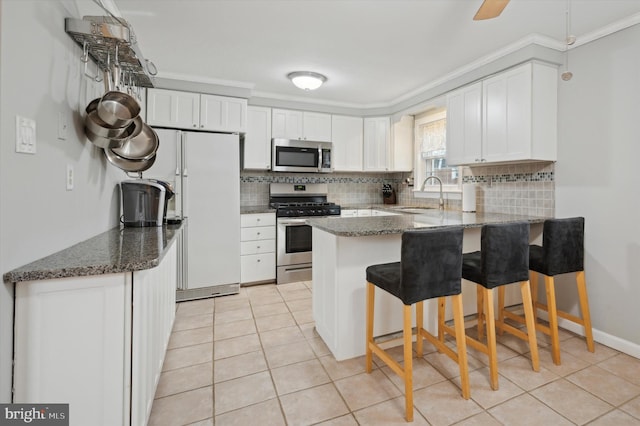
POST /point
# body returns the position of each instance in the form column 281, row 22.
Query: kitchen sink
column 414, row 210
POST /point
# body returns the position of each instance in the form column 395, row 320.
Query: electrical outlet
column 70, row 177
column 25, row 135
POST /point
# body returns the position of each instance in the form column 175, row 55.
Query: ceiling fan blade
column 490, row 9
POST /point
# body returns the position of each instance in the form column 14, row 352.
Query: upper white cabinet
column 402, row 145
column 257, row 140
column 464, row 125
column 186, row 110
column 518, row 117
column 376, row 144
column 303, row 125
column 347, row 137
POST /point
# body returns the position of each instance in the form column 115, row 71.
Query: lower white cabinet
column 257, row 247
column 95, row 342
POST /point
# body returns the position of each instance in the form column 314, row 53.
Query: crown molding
column 206, row 80
column 614, row 27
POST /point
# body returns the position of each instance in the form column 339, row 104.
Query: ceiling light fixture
column 306, row 80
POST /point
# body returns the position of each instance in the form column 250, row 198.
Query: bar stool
column 562, row 252
column 430, row 267
column 503, row 259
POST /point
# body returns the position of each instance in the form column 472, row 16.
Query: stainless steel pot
column 106, row 137
column 141, row 146
column 129, row 165
column 118, row 109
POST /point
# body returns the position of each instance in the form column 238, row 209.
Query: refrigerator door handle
column 185, row 173
column 178, row 148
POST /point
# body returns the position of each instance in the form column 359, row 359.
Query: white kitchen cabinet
column 464, row 125
column 257, row 247
column 186, row 110
column 376, row 144
column 347, row 135
column 171, row 108
column 223, row 114
column 402, row 145
column 520, row 114
column 302, row 125
column 257, row 140
column 95, row 342
column 518, row 117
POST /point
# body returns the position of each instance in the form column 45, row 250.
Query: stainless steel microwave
column 290, row 155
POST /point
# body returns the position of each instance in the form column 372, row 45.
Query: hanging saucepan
column 106, row 137
column 117, row 108
column 126, row 164
column 139, row 147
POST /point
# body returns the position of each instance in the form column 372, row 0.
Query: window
column 431, row 150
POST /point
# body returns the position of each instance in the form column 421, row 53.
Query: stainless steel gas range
column 294, row 203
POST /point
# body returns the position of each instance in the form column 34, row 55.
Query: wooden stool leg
column 584, row 309
column 408, row 363
column 553, row 318
column 480, row 304
column 500, row 308
column 419, row 325
column 491, row 336
column 370, row 300
column 533, row 280
column 441, row 312
column 525, row 289
column 458, row 322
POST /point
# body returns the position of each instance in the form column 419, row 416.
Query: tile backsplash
column 527, row 188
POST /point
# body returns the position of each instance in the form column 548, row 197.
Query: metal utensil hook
column 85, row 59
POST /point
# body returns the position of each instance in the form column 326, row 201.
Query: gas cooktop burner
column 299, row 200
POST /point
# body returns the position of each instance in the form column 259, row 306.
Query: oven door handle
column 292, row 222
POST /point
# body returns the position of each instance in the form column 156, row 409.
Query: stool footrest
column 382, row 354
column 438, row 344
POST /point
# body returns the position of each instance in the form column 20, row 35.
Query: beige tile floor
column 255, row 359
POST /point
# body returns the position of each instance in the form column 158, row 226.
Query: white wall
column 597, row 177
column 40, row 76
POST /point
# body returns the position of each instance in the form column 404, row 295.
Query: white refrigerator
column 204, row 169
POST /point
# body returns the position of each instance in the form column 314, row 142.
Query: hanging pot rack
column 102, row 37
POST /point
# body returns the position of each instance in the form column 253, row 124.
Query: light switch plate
column 25, row 135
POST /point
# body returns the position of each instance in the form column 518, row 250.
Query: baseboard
column 614, row 342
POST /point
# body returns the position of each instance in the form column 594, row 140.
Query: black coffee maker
column 388, row 194
column 144, row 202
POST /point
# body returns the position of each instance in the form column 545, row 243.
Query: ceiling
column 373, row 52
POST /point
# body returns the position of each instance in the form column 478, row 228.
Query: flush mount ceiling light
column 306, row 80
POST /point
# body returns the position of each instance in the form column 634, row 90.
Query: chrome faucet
column 441, row 202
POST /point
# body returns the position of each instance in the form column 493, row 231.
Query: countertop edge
column 56, row 266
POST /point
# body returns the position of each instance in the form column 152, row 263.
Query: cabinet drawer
column 257, row 219
column 258, row 233
column 257, row 247
column 257, row 267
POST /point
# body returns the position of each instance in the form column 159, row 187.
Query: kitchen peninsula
column 344, row 247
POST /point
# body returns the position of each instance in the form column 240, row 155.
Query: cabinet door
column 347, row 137
column 71, row 345
column 464, row 125
column 316, row 126
column 376, row 144
column 222, row 114
column 507, row 115
column 287, row 124
column 402, row 145
column 257, row 140
column 171, row 108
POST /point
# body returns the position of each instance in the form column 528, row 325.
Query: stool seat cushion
column 504, row 258
column 430, row 266
column 562, row 248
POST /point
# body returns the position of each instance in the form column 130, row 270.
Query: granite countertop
column 115, row 251
column 256, row 209
column 430, row 218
